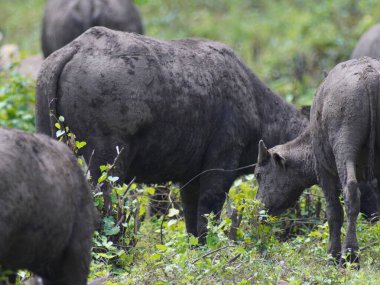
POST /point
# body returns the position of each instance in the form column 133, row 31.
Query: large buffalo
column 46, row 211
column 176, row 107
column 64, row 20
column 369, row 44
column 339, row 148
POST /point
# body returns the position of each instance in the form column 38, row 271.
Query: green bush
column 17, row 96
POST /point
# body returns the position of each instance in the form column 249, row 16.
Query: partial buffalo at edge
column 46, row 211
column 339, row 151
column 64, row 20
column 369, row 44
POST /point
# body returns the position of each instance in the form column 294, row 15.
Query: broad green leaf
column 155, row 256
column 150, row 190
column 79, row 145
column 161, row 247
column 102, row 177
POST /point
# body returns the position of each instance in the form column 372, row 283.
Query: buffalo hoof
column 350, row 260
column 334, row 259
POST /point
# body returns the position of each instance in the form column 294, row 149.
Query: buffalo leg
column 213, row 191
column 369, row 201
column 189, row 197
column 351, row 196
column 334, row 212
column 73, row 267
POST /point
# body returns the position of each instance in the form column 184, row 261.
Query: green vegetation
column 16, row 100
column 288, row 44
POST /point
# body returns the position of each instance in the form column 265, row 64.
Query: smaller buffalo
column 64, row 20
column 340, row 147
column 46, row 211
column 369, row 44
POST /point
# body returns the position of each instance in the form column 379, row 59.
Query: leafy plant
column 16, row 99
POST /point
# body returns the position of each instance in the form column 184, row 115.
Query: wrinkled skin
column 177, row 107
column 340, row 144
column 369, row 44
column 64, row 20
column 46, row 211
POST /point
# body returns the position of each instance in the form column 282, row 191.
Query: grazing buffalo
column 176, row 107
column 339, row 148
column 369, row 44
column 64, row 20
column 46, row 211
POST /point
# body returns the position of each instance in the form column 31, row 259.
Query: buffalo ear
column 279, row 159
column 263, row 153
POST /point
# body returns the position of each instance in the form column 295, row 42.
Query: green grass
column 20, row 23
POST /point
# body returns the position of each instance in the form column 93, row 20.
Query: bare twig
column 162, row 226
column 128, row 187
column 89, row 162
column 369, row 245
column 107, row 191
column 216, row 170
column 211, row 252
column 233, row 259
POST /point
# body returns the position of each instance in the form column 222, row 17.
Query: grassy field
column 288, row 44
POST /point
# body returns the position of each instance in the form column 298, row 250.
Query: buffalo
column 64, row 20
column 369, row 44
column 338, row 151
column 46, row 212
column 174, row 108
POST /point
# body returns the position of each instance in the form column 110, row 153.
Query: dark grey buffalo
column 176, row 107
column 339, row 148
column 64, row 20
column 46, row 210
column 369, row 44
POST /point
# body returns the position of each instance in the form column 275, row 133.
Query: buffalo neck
column 302, row 152
column 280, row 121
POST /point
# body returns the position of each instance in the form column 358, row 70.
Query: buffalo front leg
column 212, row 195
column 189, row 197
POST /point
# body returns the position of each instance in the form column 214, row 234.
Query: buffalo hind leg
column 334, row 212
column 351, row 196
column 74, row 265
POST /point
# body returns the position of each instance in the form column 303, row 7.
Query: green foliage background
column 288, row 44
